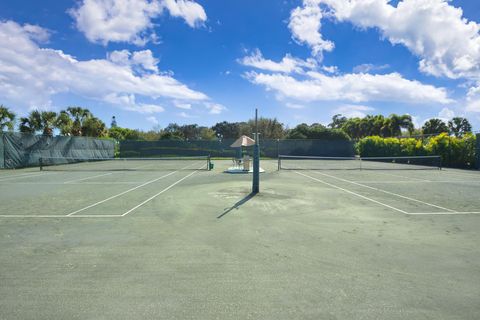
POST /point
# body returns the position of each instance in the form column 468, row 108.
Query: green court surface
column 193, row 244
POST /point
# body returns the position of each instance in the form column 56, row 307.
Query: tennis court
column 324, row 239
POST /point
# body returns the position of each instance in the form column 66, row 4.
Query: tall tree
column 227, row 130
column 316, row 131
column 207, row 134
column 32, row 123
column 78, row 115
column 93, row 127
column 268, row 128
column 7, row 118
column 434, row 126
column 337, row 121
column 64, row 123
column 459, row 126
column 48, row 121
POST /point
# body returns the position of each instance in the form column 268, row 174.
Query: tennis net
column 124, row 164
column 358, row 163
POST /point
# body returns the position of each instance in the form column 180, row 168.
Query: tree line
column 78, row 121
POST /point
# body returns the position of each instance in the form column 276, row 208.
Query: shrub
column 456, row 152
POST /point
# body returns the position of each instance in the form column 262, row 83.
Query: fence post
column 477, row 152
column 2, row 151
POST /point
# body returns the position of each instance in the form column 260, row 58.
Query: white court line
column 156, row 195
column 129, row 190
column 461, row 174
column 24, row 176
column 87, row 178
column 387, row 192
column 443, row 213
column 426, row 181
column 351, row 192
column 119, row 194
column 19, row 175
column 396, row 175
column 59, row 216
column 73, row 183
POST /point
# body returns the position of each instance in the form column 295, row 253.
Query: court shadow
column 237, row 205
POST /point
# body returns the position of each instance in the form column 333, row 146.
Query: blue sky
column 153, row 62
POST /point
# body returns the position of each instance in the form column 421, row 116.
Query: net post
column 256, row 159
column 279, row 163
column 209, row 161
column 40, row 162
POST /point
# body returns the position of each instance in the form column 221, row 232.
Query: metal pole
column 256, row 159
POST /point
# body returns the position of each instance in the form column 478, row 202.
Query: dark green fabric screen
column 2, row 151
column 25, row 150
column 268, row 148
column 477, row 152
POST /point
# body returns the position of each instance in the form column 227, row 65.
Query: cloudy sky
column 152, row 62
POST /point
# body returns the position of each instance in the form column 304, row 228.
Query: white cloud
column 182, row 105
column 294, row 106
column 305, row 25
column 37, row 33
column 288, row 64
column 473, row 100
column 193, row 13
column 330, row 69
column 31, row 76
column 367, row 67
column 183, row 114
column 130, row 21
column 446, row 114
column 417, row 123
column 350, row 87
column 138, row 59
column 127, row 102
column 215, row 108
column 446, row 43
column 353, row 111
column 152, row 120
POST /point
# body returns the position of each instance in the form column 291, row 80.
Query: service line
column 384, row 191
column 351, row 192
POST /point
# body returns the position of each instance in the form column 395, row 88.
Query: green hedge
column 455, row 152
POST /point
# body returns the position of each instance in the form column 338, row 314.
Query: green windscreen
column 477, row 152
column 25, row 150
column 268, row 148
column 2, row 151
column 124, row 164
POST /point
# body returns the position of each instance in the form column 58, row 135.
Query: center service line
column 159, row 193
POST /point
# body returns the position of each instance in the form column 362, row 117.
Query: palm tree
column 48, row 121
column 64, row 123
column 7, row 118
column 398, row 123
column 79, row 116
column 32, row 123
column 44, row 121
